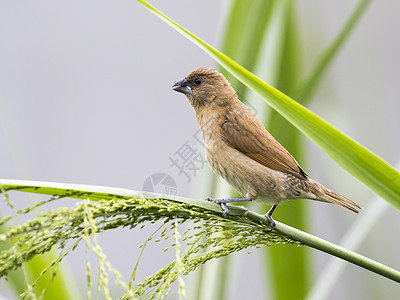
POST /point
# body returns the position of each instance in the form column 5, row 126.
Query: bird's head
column 206, row 87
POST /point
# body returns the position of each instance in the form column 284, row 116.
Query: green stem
column 101, row 192
column 330, row 248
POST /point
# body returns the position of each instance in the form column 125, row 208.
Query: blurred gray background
column 85, row 97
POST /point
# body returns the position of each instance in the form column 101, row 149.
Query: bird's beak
column 182, row 86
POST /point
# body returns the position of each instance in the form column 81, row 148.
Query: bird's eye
column 198, row 81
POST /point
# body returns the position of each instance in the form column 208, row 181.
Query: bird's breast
column 248, row 176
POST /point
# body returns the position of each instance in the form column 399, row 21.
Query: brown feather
column 345, row 202
column 257, row 143
column 327, row 195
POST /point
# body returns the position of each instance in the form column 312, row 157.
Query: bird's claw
column 218, row 201
column 223, row 205
column 225, row 209
column 271, row 221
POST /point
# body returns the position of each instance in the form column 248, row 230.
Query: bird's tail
column 324, row 194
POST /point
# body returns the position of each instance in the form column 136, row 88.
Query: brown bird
column 243, row 152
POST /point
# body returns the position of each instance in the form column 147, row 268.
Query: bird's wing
column 257, row 143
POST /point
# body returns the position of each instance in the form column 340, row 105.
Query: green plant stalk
column 353, row 238
column 99, row 192
column 330, row 248
column 357, row 160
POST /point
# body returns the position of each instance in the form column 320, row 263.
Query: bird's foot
column 227, row 200
column 272, row 223
column 218, row 201
column 268, row 215
column 222, row 202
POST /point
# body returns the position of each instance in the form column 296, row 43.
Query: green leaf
column 357, row 160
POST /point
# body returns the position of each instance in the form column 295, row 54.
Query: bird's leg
column 227, row 200
column 268, row 215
